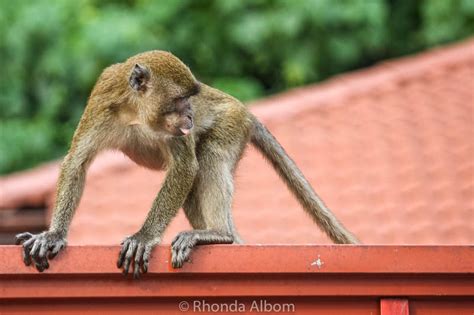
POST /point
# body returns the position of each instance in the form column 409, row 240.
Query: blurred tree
column 51, row 52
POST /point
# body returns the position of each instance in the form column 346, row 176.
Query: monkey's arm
column 46, row 245
column 176, row 186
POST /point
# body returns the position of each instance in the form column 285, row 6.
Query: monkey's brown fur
column 152, row 108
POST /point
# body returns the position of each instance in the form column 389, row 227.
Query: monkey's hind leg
column 208, row 209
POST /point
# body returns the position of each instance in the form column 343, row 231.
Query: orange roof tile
column 389, row 149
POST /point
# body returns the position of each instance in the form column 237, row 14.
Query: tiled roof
column 390, row 149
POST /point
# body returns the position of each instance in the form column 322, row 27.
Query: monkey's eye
column 168, row 111
column 181, row 98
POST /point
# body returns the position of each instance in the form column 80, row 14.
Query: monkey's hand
column 38, row 248
column 138, row 248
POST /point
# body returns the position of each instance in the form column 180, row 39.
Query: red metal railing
column 230, row 278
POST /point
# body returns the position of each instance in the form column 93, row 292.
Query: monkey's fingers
column 26, row 255
column 27, row 249
column 125, row 243
column 29, row 244
column 129, row 255
column 38, row 254
column 181, row 256
column 138, row 261
column 146, row 258
column 43, row 249
column 54, row 250
column 22, row 237
column 35, row 248
column 180, row 240
column 181, row 249
column 41, row 264
column 175, row 240
column 174, row 256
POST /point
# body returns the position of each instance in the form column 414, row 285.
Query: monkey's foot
column 38, row 248
column 137, row 248
column 181, row 248
column 184, row 242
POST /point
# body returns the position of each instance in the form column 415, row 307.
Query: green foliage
column 51, row 52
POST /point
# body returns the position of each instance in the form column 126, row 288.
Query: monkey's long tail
column 297, row 183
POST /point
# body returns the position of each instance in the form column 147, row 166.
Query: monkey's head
column 162, row 85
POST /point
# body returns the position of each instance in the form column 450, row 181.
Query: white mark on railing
column 318, row 262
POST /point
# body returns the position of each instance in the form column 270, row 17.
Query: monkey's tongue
column 185, row 131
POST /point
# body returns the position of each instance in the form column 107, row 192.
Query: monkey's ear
column 139, row 78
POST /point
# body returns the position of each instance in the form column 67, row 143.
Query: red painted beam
column 340, row 259
column 330, row 279
column 394, row 307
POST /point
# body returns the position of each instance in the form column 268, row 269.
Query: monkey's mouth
column 184, row 125
column 185, row 131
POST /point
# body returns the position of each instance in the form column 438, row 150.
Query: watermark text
column 253, row 306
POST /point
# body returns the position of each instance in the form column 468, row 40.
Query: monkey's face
column 163, row 86
column 177, row 118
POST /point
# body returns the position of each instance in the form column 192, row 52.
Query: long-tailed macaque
column 153, row 109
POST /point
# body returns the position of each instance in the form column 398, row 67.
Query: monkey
column 153, row 109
